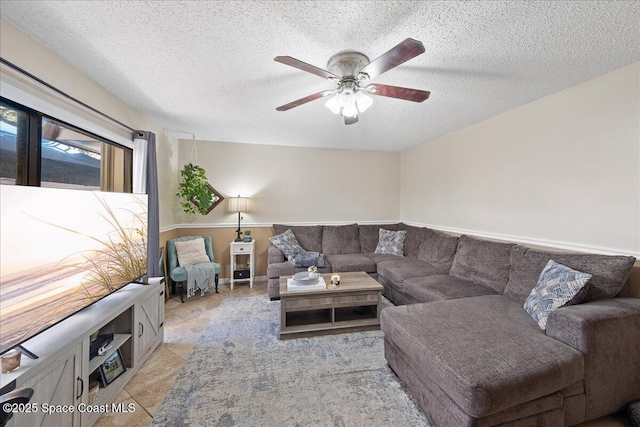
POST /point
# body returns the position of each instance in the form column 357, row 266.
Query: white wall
column 563, row 170
column 292, row 184
column 28, row 54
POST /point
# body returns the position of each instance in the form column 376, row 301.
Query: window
column 13, row 129
column 41, row 151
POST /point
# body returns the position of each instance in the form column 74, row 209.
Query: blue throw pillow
column 287, row 243
column 390, row 242
column 557, row 286
column 307, row 259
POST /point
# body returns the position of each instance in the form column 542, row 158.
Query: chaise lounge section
column 462, row 342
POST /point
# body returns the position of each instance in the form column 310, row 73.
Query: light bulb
column 346, row 98
column 350, row 110
column 363, row 101
column 333, row 104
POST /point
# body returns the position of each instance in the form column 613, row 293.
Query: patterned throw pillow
column 287, row 243
column 307, row 259
column 633, row 413
column 557, row 285
column 390, row 242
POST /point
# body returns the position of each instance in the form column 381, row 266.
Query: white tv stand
column 60, row 376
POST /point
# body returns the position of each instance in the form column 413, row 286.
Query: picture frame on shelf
column 112, row 368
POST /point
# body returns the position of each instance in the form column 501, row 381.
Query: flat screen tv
column 62, row 250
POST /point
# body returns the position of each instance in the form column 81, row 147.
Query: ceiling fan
column 350, row 70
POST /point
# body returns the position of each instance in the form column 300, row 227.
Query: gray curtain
column 153, row 227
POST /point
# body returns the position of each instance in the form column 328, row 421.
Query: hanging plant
column 196, row 194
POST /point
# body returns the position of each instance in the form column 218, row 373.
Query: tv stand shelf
column 118, row 340
column 61, row 374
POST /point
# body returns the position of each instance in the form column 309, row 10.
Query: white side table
column 243, row 248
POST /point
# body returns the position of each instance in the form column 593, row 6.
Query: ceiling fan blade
column 304, row 100
column 402, row 52
column 405, row 93
column 293, row 62
column 350, row 120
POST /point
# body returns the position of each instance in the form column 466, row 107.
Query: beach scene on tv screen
column 61, row 250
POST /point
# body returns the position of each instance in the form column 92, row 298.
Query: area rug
column 241, row 374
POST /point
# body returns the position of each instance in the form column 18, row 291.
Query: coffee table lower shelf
column 329, row 321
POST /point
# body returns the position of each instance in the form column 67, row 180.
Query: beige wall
column 289, row 185
column 26, row 53
column 563, row 170
column 293, row 184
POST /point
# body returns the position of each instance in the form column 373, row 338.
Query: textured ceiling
column 207, row 67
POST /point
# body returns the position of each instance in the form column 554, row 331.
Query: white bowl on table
column 306, row 278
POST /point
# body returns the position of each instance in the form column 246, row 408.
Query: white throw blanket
column 200, row 276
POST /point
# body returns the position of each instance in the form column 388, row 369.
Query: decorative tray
column 293, row 285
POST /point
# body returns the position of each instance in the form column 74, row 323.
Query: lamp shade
column 334, row 105
column 238, row 204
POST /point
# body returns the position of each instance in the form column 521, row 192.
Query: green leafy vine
column 194, row 192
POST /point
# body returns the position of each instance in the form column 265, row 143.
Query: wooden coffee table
column 353, row 305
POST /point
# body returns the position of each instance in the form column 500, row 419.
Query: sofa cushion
column 277, row 270
column 485, row 352
column 369, row 236
column 557, row 286
column 340, row 239
column 391, row 242
column 442, row 287
column 609, row 272
column 309, row 236
column 287, row 243
column 412, row 240
column 483, row 262
column 444, row 412
column 351, row 262
column 438, row 249
column 398, row 270
column 378, row 258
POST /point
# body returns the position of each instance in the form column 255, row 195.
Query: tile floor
column 183, row 325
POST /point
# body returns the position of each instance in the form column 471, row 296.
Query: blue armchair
column 179, row 274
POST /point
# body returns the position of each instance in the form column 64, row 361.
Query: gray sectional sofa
column 461, row 341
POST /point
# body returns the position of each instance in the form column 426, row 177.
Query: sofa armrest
column 607, row 333
column 275, row 255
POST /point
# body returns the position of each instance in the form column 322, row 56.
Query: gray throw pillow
column 287, row 243
column 307, row 259
column 557, row 286
column 390, row 242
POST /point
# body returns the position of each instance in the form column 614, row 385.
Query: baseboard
column 227, row 280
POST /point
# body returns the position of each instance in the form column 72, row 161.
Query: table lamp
column 238, row 204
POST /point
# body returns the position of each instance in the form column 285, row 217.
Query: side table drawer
column 239, row 249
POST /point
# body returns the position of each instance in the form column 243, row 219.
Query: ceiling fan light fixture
column 363, row 101
column 333, row 104
column 350, row 110
column 349, row 70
